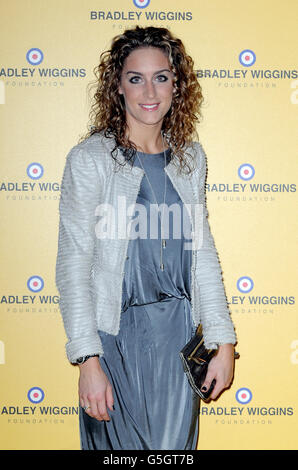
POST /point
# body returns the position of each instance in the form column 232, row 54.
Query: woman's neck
column 150, row 141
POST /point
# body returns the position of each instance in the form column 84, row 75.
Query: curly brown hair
column 107, row 112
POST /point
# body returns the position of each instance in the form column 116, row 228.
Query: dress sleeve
column 214, row 313
column 79, row 196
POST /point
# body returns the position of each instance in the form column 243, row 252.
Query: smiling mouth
column 150, row 107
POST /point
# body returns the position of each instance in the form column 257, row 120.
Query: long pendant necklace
column 162, row 241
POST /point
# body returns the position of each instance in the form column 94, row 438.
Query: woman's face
column 146, row 79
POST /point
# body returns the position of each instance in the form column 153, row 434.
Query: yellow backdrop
column 245, row 54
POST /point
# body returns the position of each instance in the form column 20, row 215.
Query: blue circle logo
column 141, row 3
column 35, row 171
column 35, row 395
column 247, row 57
column 245, row 284
column 35, row 283
column 243, row 395
column 34, row 56
column 246, row 171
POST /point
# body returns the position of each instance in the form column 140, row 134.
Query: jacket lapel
column 130, row 176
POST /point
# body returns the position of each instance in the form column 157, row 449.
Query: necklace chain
column 163, row 242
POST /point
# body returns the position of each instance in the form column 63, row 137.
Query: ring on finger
column 86, row 407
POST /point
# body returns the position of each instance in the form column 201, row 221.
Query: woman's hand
column 221, row 368
column 95, row 390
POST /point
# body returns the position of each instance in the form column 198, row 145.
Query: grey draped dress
column 155, row 407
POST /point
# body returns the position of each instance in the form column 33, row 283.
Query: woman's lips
column 150, row 107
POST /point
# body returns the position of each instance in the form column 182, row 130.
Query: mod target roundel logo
column 243, row 395
column 35, row 171
column 34, row 56
column 247, row 57
column 246, row 171
column 245, row 284
column 141, row 3
column 35, row 283
column 35, row 394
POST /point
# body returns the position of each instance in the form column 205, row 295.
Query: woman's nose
column 149, row 90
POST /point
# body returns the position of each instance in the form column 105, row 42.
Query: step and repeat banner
column 245, row 55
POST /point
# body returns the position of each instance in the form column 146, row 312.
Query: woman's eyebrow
column 139, row 73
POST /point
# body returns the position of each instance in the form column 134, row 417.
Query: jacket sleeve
column 214, row 313
column 79, row 196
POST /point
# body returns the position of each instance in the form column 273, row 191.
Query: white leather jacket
column 90, row 270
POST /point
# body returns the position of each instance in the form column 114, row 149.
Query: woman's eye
column 133, row 78
column 163, row 79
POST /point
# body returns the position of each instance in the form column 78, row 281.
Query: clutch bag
column 195, row 360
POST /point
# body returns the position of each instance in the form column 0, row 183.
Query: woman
column 130, row 303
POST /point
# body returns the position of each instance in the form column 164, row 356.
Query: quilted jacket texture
column 90, row 269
